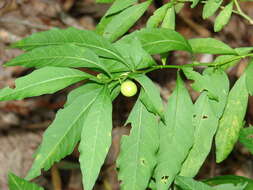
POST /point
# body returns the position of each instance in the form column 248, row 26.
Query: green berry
column 128, row 88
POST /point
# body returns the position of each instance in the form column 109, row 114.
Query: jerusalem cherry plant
column 167, row 144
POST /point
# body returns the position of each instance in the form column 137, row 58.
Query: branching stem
column 196, row 64
column 241, row 13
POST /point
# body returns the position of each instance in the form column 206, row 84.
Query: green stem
column 195, row 64
column 241, row 13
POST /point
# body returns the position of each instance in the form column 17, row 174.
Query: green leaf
column 67, row 55
column 136, row 57
column 89, row 88
column 215, row 82
column 159, row 40
column 63, row 134
column 179, row 6
column 226, row 61
column 223, row 17
column 42, row 81
column 137, row 157
column 232, row 120
column 211, row 7
column 151, row 97
column 169, row 20
column 115, row 66
column 156, row 19
column 246, row 138
column 232, row 179
column 121, row 23
column 176, row 137
column 206, row 123
column 243, row 50
column 85, row 38
column 230, row 187
column 96, row 138
column 17, row 183
column 211, row 46
column 115, row 92
column 119, row 6
column 194, row 3
column 249, row 77
column 230, row 60
column 187, row 183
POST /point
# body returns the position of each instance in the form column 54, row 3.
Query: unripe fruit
column 128, row 88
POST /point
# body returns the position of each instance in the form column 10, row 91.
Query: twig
column 56, row 179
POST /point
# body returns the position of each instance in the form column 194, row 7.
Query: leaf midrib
column 138, row 147
column 14, row 180
column 96, row 137
column 36, row 84
column 53, row 57
column 165, row 41
column 71, row 126
column 79, row 44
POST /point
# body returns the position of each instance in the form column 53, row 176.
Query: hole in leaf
column 143, row 161
column 164, row 179
column 204, row 117
column 194, row 115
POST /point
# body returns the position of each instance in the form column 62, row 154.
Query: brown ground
column 22, row 122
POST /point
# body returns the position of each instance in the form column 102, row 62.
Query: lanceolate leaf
column 249, row 78
column 194, row 3
column 160, row 40
column 42, row 81
column 136, row 57
column 206, row 123
column 151, row 98
column 95, row 138
column 230, row 59
column 211, row 7
column 137, row 157
column 176, row 137
column 224, row 16
column 121, row 23
column 119, row 6
column 114, row 65
column 17, row 183
column 169, row 20
column 67, row 55
column 230, row 187
column 63, row 134
column 230, row 179
column 85, row 38
column 211, row 46
column 215, row 82
column 246, row 138
column 187, row 183
column 232, row 120
column 155, row 20
column 90, row 88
